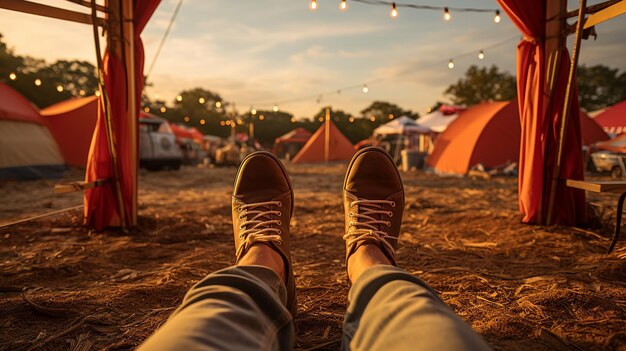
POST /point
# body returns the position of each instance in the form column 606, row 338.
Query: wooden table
column 615, row 187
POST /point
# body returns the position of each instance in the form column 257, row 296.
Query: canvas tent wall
column 327, row 138
column 27, row 148
column 72, row 123
column 613, row 119
column 489, row 133
column 437, row 121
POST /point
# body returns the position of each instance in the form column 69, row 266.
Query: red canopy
column 540, row 120
column 613, row 119
column 16, row 107
column 101, row 206
column 298, row 135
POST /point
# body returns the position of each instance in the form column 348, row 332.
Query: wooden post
column 327, row 135
column 554, row 42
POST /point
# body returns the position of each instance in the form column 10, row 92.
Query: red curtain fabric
column 101, row 209
column 540, row 122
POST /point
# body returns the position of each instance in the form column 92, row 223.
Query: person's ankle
column 263, row 255
column 365, row 257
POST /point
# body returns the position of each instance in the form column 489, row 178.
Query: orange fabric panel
column 72, row 123
column 341, row 149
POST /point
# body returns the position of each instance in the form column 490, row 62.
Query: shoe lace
column 365, row 223
column 258, row 225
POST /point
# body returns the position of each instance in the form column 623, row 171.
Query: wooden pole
column 327, row 135
column 128, row 32
column 565, row 115
column 553, row 46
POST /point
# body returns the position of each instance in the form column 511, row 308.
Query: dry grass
column 521, row 287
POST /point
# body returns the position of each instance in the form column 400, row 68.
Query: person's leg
column 389, row 308
column 248, row 306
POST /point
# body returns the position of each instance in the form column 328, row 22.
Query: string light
column 146, row 109
column 97, row 93
column 218, row 104
column 321, row 119
column 373, row 118
column 222, row 123
column 38, row 82
column 253, row 111
column 60, row 88
column 481, row 55
column 394, row 10
column 81, row 92
column 186, row 118
column 365, row 88
column 163, row 109
column 391, row 116
column 343, row 6
column 351, row 119
column 261, row 117
column 497, row 17
column 313, row 5
column 293, row 119
column 275, row 108
column 201, row 100
column 179, row 98
column 446, row 14
column 202, row 121
column 12, row 76
column 239, row 122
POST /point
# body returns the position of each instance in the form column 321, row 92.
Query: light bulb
column 201, row 100
column 60, row 88
column 218, row 104
column 365, row 88
column 163, row 109
column 38, row 82
column 97, row 93
column 293, row 119
column 179, row 98
column 12, row 76
column 446, row 14
column 275, row 108
column 222, row 123
column 394, row 10
column 81, row 92
column 146, row 109
column 202, row 121
column 253, row 111
column 313, row 5
column 451, row 64
column 481, row 55
column 261, row 117
column 373, row 118
column 497, row 17
column 391, row 116
column 343, row 6
column 351, row 119
column 186, row 118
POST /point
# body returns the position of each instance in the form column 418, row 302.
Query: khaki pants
column 243, row 308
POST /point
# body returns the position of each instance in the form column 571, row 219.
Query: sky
column 260, row 52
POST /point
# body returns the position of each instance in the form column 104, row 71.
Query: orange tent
column 613, row 119
column 328, row 135
column 489, row 133
column 72, row 122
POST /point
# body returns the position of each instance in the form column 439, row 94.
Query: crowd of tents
column 450, row 140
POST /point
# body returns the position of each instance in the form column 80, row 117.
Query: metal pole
column 566, row 103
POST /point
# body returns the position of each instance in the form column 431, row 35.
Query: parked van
column 157, row 145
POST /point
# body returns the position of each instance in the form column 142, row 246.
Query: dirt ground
column 522, row 287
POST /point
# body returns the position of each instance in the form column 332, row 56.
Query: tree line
column 599, row 86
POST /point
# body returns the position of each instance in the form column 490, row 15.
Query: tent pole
column 327, row 136
column 128, row 32
column 565, row 115
column 106, row 104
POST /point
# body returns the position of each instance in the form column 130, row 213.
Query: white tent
column 401, row 126
column 437, row 121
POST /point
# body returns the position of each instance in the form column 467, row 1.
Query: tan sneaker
column 373, row 201
column 262, row 209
